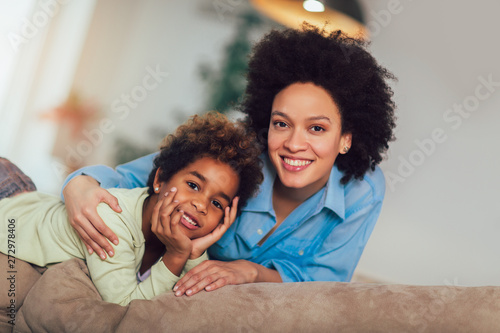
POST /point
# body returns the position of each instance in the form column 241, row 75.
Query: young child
column 204, row 172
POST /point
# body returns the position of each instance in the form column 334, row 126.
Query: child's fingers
column 168, row 202
column 162, row 210
column 170, row 195
column 230, row 215
column 167, row 205
column 175, row 219
column 229, row 218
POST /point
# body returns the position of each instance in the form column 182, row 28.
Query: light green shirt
column 35, row 228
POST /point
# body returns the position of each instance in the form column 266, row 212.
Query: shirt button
column 259, row 231
column 301, row 252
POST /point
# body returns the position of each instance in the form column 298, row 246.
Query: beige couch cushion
column 16, row 279
column 64, row 300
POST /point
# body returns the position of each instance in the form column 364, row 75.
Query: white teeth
column 296, row 162
column 189, row 220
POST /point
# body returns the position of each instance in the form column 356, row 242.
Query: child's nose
column 200, row 204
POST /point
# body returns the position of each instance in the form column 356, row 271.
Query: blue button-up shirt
column 321, row 240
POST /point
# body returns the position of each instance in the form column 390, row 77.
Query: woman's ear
column 156, row 181
column 345, row 143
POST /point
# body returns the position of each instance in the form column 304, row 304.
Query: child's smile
column 189, row 222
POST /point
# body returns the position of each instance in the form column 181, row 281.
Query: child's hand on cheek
column 165, row 225
column 201, row 244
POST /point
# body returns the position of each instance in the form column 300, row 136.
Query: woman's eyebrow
column 203, row 179
column 313, row 118
column 279, row 113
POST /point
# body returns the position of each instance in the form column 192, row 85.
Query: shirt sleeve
column 129, row 175
column 338, row 254
column 115, row 278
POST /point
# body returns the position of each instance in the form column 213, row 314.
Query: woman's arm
column 212, row 274
column 84, row 189
column 129, row 175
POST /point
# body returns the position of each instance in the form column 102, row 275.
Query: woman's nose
column 296, row 141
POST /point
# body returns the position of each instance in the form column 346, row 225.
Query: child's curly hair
column 212, row 135
column 343, row 67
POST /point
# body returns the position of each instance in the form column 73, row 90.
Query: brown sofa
column 63, row 299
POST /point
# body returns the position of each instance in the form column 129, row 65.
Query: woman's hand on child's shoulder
column 82, row 195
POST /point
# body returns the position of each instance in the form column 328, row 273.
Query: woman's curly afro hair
column 343, row 67
column 212, row 135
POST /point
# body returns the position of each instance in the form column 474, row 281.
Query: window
column 40, row 46
column 12, row 16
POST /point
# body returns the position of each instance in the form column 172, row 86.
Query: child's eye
column 217, row 204
column 317, row 128
column 194, row 186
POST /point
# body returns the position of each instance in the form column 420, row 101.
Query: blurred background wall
column 85, row 82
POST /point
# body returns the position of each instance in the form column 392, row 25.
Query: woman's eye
column 194, row 186
column 279, row 124
column 317, row 129
column 217, row 204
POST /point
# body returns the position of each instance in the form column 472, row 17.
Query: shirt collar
column 333, row 196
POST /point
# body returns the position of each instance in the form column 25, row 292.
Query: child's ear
column 156, row 181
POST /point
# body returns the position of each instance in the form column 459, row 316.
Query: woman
column 324, row 109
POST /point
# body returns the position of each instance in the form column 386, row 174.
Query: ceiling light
column 346, row 15
column 313, row 6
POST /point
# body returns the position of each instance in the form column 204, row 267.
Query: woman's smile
column 295, row 164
